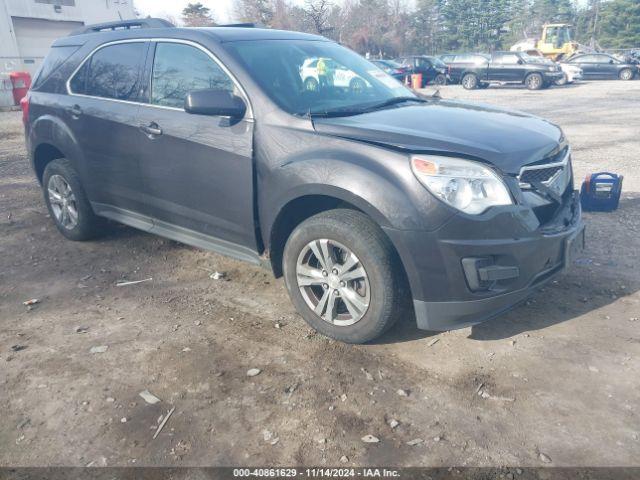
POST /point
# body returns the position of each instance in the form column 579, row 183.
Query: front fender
column 376, row 180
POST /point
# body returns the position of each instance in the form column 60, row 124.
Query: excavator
column 555, row 42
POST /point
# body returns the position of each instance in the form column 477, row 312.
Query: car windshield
column 306, row 77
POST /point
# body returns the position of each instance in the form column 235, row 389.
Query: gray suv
column 365, row 196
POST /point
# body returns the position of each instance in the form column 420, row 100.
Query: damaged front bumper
column 474, row 268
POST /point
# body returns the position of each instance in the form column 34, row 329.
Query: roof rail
column 123, row 25
column 238, row 25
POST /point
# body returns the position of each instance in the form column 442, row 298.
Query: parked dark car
column 598, row 66
column 432, row 69
column 478, row 71
column 461, row 63
column 392, row 68
column 363, row 199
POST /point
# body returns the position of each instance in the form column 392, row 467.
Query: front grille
column 549, row 171
column 540, row 174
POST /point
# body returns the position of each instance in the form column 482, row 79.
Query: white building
column 29, row 27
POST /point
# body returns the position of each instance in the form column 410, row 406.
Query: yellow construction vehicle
column 555, row 42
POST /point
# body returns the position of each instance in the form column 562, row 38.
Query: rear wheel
column 625, row 74
column 343, row 276
column 440, row 80
column 534, row 81
column 470, row 81
column 357, row 85
column 67, row 202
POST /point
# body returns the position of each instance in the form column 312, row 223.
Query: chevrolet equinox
column 365, row 196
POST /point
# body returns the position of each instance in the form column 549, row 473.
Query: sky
column 222, row 10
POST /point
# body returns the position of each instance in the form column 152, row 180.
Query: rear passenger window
column 111, row 72
column 179, row 69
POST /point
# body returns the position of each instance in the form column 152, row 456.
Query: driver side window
column 179, row 69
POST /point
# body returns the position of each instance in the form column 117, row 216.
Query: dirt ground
column 554, row 382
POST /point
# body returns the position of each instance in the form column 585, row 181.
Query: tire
column 381, row 292
column 534, row 81
column 357, row 85
column 625, row 74
column 311, row 84
column 470, row 81
column 562, row 81
column 440, row 80
column 63, row 192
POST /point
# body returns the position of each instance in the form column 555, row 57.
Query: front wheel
column 625, row 74
column 534, row 81
column 470, row 81
column 343, row 276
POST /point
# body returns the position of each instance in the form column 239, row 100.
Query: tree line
column 392, row 27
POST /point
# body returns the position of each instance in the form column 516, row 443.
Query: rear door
column 198, row 169
column 102, row 111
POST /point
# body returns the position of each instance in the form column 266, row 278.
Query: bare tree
column 318, row 12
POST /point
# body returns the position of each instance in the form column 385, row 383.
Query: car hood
column 504, row 138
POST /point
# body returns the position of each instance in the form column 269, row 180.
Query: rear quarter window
column 56, row 57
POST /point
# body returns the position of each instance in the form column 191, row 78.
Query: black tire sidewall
column 87, row 226
column 376, row 258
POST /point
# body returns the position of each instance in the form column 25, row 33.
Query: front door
column 505, row 67
column 198, row 169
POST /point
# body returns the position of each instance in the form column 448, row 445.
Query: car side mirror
column 214, row 102
column 611, row 61
column 520, row 61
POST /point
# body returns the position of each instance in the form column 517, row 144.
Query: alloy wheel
column 626, row 74
column 333, row 282
column 534, row 82
column 63, row 202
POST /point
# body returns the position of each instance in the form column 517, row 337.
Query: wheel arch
column 305, row 203
column 50, row 138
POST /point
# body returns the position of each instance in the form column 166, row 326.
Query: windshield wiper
column 351, row 110
column 394, row 101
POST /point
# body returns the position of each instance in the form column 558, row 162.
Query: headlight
column 468, row 186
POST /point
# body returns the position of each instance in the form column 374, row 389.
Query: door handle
column 152, row 129
column 75, row 111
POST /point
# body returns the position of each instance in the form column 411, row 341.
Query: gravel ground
column 554, row 382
